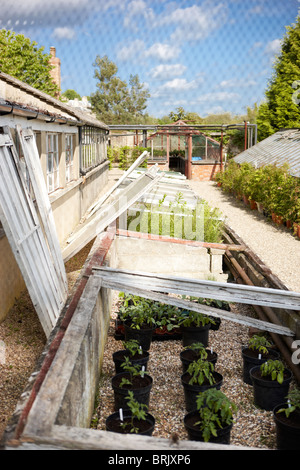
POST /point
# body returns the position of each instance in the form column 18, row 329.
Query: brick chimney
column 55, row 72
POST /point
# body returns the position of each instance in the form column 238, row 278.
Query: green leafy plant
column 132, row 370
column 200, row 371
column 274, row 369
column 133, row 346
column 191, row 318
column 165, row 315
column 138, row 314
column 259, row 343
column 293, row 398
column 138, row 412
column 215, row 411
column 198, row 349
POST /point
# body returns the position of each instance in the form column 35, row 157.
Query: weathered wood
column 105, row 216
column 37, row 180
column 189, row 305
column 26, row 237
column 210, row 289
column 99, row 203
column 152, row 236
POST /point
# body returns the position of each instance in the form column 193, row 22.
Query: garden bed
column 252, row 427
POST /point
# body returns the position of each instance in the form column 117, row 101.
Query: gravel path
column 275, row 245
column 252, row 427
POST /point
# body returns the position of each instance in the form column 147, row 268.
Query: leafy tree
column 22, row 59
column 71, row 95
column 113, row 102
column 178, row 115
column 280, row 110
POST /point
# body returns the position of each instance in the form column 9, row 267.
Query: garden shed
column 281, row 148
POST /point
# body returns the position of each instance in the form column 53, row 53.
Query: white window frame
column 52, row 162
column 69, row 152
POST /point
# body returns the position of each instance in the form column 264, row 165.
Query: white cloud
column 131, row 50
column 136, row 10
column 63, row 33
column 273, row 47
column 218, row 96
column 163, row 52
column 167, row 71
column 195, row 22
column 237, row 83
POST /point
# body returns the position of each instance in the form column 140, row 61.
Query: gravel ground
column 252, row 427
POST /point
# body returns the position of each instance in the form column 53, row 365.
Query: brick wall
column 205, row 172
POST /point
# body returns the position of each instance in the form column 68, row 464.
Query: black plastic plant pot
column 145, row 427
column 268, row 393
column 287, row 428
column 192, row 390
column 141, row 388
column 142, row 335
column 188, row 355
column 137, row 359
column 195, row 434
column 195, row 334
column 251, row 359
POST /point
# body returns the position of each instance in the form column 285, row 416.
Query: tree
column 113, row 102
column 22, row 59
column 280, row 110
column 71, row 94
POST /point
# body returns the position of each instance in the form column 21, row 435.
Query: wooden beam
column 105, row 216
column 193, row 306
column 250, row 295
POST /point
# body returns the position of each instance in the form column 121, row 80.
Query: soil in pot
column 195, row 334
column 188, row 355
column 195, row 434
column 287, row 428
column 140, row 386
column 269, row 393
column 145, row 427
column 251, row 359
column 136, row 359
column 192, row 390
column 143, row 335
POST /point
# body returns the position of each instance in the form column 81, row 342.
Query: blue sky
column 207, row 56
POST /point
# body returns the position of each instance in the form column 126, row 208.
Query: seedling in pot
column 274, row 369
column 138, row 315
column 215, row 411
column 200, row 371
column 138, row 411
column 194, row 319
column 133, row 347
column 133, row 371
column 198, row 349
column 259, row 343
column 293, row 399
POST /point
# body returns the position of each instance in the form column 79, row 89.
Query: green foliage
column 191, row 318
column 198, row 349
column 114, row 102
column 280, row 110
column 71, row 95
column 259, row 343
column 23, row 60
column 274, row 369
column 200, row 371
column 215, row 411
column 293, row 398
column 133, row 347
column 138, row 411
column 139, row 314
column 132, row 370
column 269, row 185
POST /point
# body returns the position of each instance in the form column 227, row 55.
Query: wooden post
column 189, row 167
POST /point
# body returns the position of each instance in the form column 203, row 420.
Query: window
column 69, row 158
column 52, row 162
column 93, row 147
